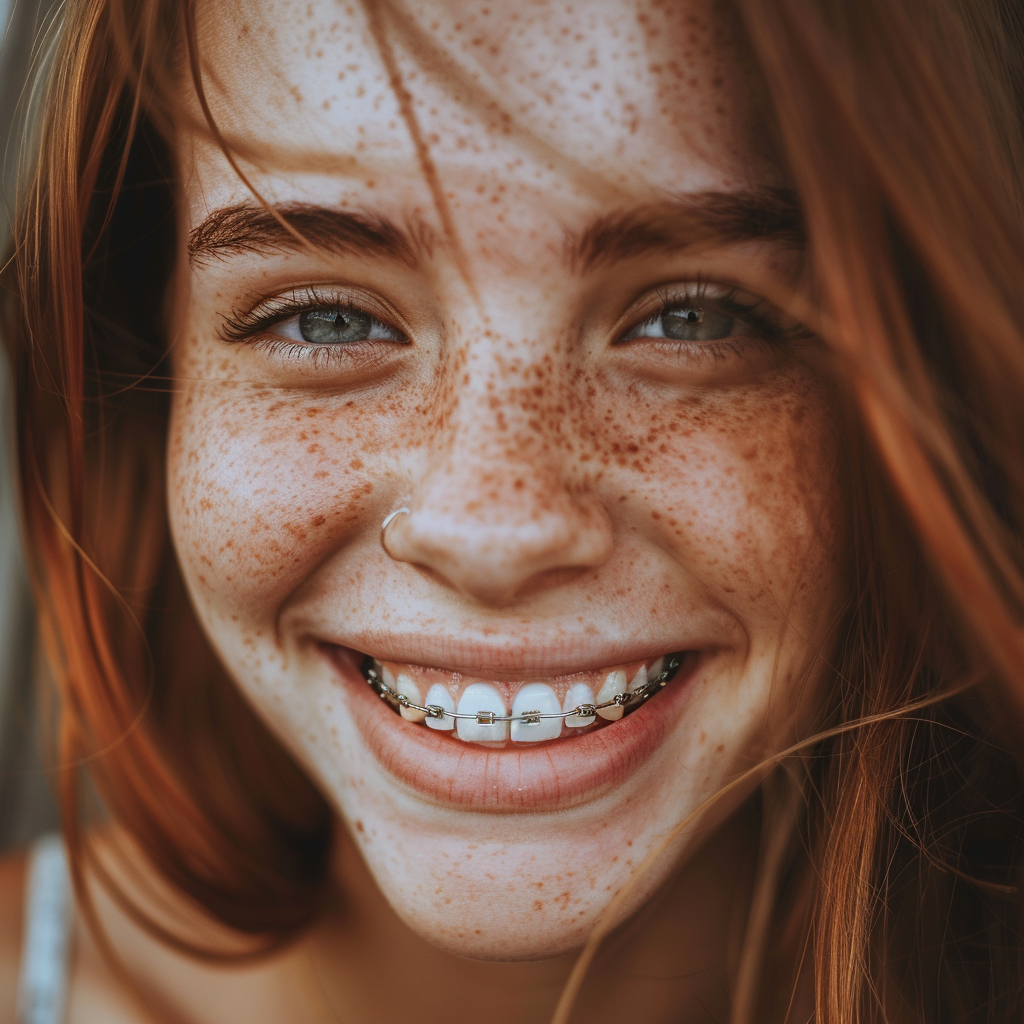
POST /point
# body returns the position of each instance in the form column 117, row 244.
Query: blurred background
column 26, row 802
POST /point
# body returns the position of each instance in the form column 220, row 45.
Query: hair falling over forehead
column 894, row 839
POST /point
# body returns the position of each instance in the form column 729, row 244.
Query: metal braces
column 620, row 700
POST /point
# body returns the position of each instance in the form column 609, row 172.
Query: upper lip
column 512, row 660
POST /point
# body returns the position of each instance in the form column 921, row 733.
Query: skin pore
column 513, row 193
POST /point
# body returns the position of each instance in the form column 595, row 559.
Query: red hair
column 901, row 124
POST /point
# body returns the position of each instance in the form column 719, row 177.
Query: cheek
column 260, row 487
column 745, row 488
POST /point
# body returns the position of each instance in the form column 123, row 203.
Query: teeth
column 614, row 683
column 541, row 698
column 408, row 688
column 482, row 699
column 640, row 679
column 440, row 696
column 577, row 694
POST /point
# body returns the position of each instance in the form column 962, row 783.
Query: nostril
column 492, row 555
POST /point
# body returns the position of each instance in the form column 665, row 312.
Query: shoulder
column 92, row 996
column 12, row 886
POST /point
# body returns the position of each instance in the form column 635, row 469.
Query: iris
column 693, row 323
column 335, row 326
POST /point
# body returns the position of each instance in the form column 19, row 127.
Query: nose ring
column 388, row 519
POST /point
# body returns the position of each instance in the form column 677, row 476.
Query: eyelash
column 247, row 325
column 766, row 323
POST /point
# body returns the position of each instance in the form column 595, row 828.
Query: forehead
column 554, row 106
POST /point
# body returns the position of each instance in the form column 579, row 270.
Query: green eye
column 686, row 323
column 335, row 327
column 311, row 319
column 325, row 327
column 695, row 323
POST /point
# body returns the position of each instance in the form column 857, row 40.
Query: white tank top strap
column 45, row 956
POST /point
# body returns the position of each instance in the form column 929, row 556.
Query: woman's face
column 525, row 314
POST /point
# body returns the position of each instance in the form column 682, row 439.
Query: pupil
column 334, row 326
column 692, row 323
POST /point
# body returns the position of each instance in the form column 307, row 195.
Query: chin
column 514, row 901
column 520, row 939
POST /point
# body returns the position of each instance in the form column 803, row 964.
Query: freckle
column 359, row 826
column 719, row 748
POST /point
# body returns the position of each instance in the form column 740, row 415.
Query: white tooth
column 614, row 683
column 440, row 696
column 656, row 669
column 480, row 698
column 408, row 688
column 640, row 679
column 577, row 694
column 541, row 698
column 389, row 679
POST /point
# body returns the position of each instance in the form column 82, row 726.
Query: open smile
column 481, row 747
column 487, row 711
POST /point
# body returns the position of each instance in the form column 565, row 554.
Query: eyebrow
column 749, row 214
column 251, row 228
column 745, row 215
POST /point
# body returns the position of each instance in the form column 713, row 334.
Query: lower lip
column 552, row 776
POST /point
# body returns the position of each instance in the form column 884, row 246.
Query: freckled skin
column 564, row 488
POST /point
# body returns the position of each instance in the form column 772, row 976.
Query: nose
column 502, row 509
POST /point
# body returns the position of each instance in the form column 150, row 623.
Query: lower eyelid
column 319, row 356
